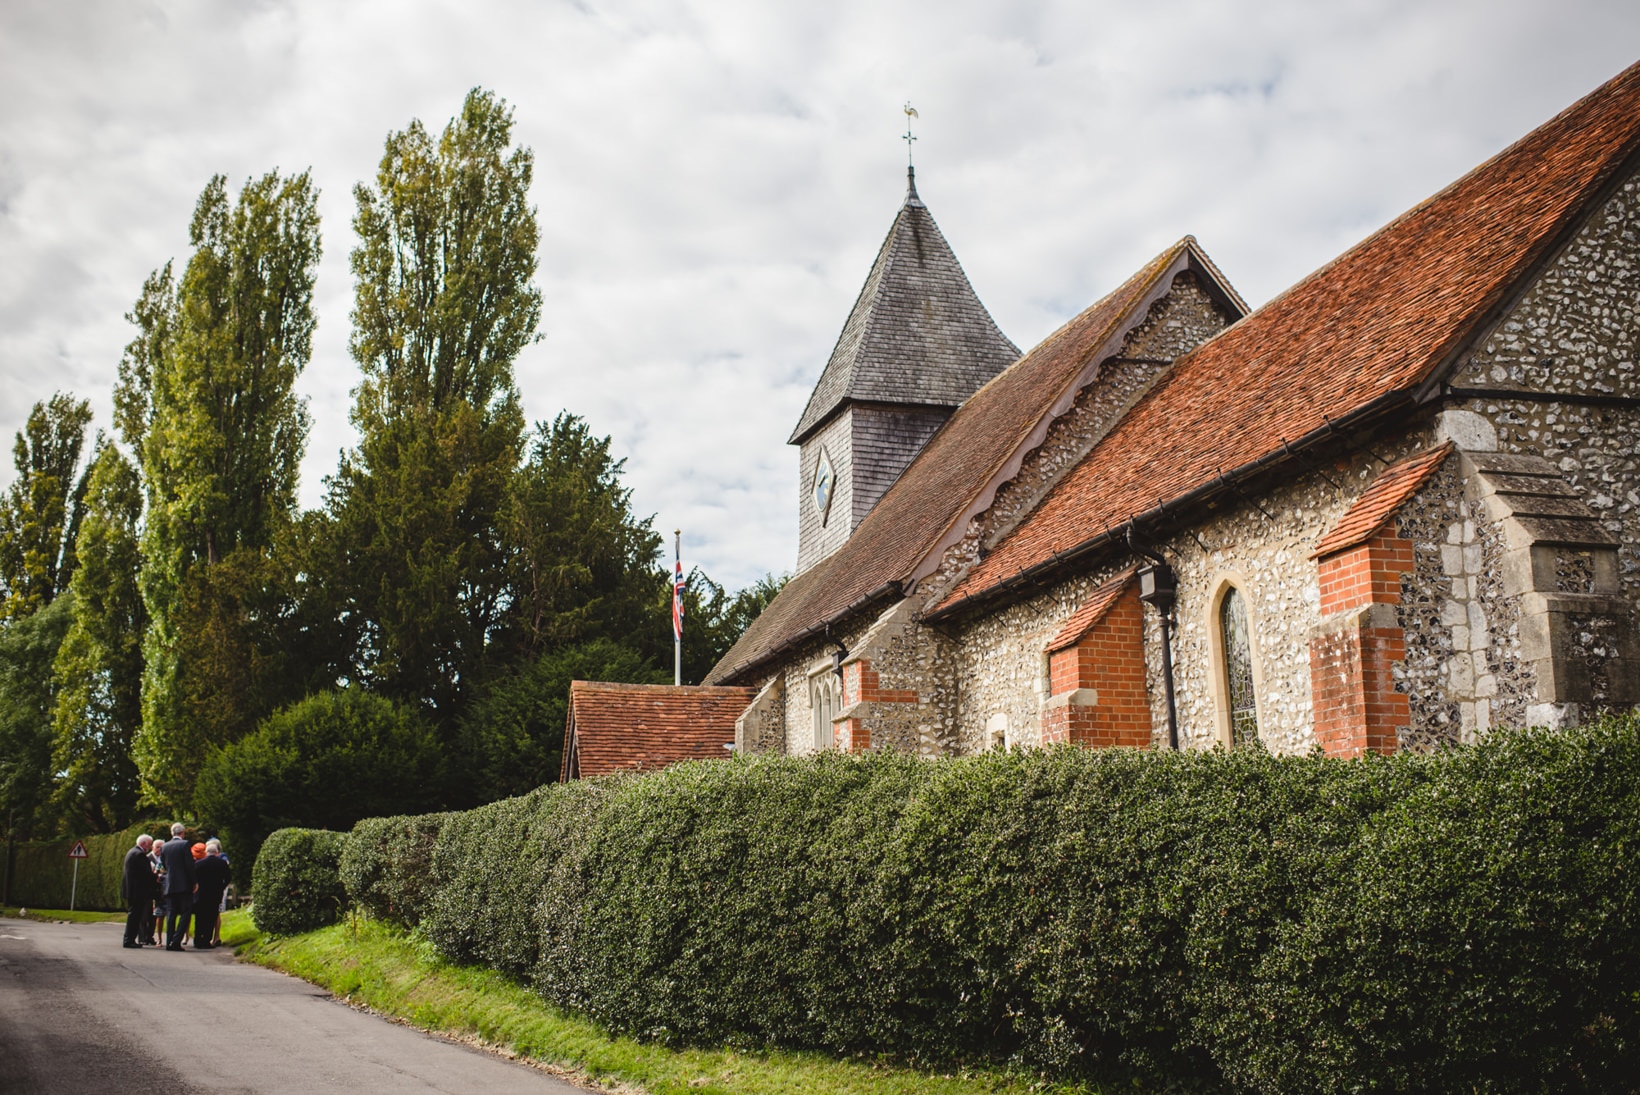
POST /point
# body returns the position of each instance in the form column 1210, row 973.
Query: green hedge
column 1467, row 921
column 42, row 875
column 297, row 885
column 387, row 864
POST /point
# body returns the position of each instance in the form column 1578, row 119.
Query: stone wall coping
column 1076, row 697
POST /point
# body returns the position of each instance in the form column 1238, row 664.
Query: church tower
column 916, row 345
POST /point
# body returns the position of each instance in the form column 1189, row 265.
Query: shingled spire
column 918, row 333
column 916, row 345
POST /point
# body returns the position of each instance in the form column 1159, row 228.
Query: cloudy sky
column 713, row 179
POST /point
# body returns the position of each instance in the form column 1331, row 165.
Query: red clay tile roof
column 1380, row 500
column 647, row 726
column 1359, row 334
column 950, row 478
column 1093, row 611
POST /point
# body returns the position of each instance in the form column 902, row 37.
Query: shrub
column 297, row 883
column 42, row 875
column 1464, row 921
column 495, row 867
column 326, row 762
column 387, row 865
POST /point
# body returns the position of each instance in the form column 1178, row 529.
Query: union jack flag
column 677, row 602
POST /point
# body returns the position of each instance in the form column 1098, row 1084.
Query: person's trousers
column 204, row 923
column 134, row 921
column 178, row 906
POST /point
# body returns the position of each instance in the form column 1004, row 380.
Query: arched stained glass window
column 1238, row 668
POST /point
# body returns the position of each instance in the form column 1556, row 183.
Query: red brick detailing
column 1369, row 573
column 1110, row 661
column 851, row 735
column 1357, row 708
column 861, row 685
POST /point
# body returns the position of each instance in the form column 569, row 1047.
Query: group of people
column 168, row 883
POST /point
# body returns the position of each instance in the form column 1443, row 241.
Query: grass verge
column 396, row 974
column 77, row 916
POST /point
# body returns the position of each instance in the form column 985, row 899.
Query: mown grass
column 401, row 976
column 77, row 916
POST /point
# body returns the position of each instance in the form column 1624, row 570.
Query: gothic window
column 824, row 702
column 1238, row 668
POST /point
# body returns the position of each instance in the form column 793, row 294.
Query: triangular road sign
column 78, row 851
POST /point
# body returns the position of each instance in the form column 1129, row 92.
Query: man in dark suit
column 212, row 875
column 137, row 887
column 178, row 857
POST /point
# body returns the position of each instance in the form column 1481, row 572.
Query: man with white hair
column 211, row 875
column 137, row 888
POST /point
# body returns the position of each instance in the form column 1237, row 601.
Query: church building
column 1393, row 508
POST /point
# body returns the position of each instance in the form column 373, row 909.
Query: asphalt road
column 81, row 1014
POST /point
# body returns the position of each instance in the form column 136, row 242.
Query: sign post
column 75, row 853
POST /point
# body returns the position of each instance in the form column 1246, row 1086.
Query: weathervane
column 910, row 113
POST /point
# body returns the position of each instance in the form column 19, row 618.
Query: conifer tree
column 98, row 668
column 207, row 399
column 582, row 565
column 40, row 512
column 443, row 304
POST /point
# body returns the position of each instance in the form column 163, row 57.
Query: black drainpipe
column 1158, row 587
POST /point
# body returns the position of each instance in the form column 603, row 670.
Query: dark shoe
column 170, row 947
column 204, row 946
column 131, row 945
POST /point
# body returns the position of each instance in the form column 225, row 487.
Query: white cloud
column 713, row 179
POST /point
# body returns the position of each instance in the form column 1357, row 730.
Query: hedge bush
column 387, row 865
column 42, row 875
column 297, row 885
column 325, row 762
column 1463, row 921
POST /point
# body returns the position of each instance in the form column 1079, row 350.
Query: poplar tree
column 40, row 512
column 207, row 400
column 98, row 668
column 444, row 304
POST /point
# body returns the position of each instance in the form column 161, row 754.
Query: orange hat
column 198, row 850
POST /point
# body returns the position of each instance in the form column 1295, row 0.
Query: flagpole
column 677, row 608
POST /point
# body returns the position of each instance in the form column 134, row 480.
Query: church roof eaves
column 1366, row 333
column 957, row 474
column 917, row 334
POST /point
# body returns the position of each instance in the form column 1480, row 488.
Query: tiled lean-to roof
column 1092, row 611
column 1358, row 337
column 646, row 726
column 1380, row 500
column 958, row 472
column 918, row 332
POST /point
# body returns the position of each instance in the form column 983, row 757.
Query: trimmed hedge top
column 1463, row 921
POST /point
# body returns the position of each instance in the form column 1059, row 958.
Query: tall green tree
column 28, row 647
column 98, row 667
column 207, row 399
column 40, row 512
column 582, row 565
column 444, row 303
